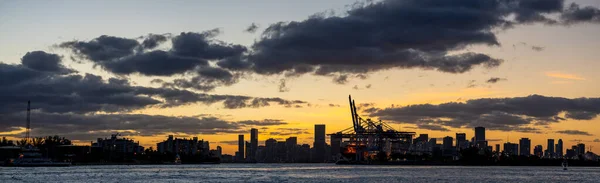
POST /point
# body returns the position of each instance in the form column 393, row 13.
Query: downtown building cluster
column 452, row 146
column 288, row 151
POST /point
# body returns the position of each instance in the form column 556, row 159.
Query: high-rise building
column 290, row 146
column 447, row 143
column 240, row 155
column 479, row 134
column 253, row 144
column 461, row 141
column 248, row 148
column 480, row 137
column 270, row 150
column 550, row 150
column 525, row 147
column 559, row 148
column 498, row 148
column 511, row 148
column 335, row 145
column 580, row 149
column 319, row 143
column 538, row 151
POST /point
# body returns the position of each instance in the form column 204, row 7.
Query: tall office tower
column 335, row 145
column 480, row 137
column 525, row 147
column 538, row 151
column 248, row 148
column 291, row 150
column 498, row 148
column 271, row 150
column 512, row 149
column 240, row 148
column 550, row 150
column 447, row 143
column 580, row 149
column 319, row 143
column 461, row 140
column 253, row 144
column 559, row 148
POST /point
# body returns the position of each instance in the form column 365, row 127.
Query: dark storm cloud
column 575, row 14
column 42, row 61
column 103, row 48
column 90, row 126
column 154, row 63
column 252, row 28
column 190, row 54
column 401, row 34
column 495, row 80
column 52, row 92
column 505, row 114
column 203, row 45
column 265, row 122
column 574, row 132
column 153, row 40
column 206, row 79
column 581, row 115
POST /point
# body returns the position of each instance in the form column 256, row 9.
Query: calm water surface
column 297, row 173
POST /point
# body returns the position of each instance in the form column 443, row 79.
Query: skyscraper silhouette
column 524, row 147
column 253, row 144
column 319, row 144
column 240, row 155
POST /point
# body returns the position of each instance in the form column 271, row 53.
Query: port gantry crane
column 369, row 140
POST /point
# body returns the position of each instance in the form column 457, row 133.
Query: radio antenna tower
column 28, row 126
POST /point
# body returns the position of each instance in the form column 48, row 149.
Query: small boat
column 30, row 157
column 565, row 165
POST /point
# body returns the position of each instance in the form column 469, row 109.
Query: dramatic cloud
column 574, row 132
column 190, row 54
column 576, row 14
column 154, row 63
column 495, row 80
column 42, row 61
column 54, row 92
column 91, row 126
column 103, row 48
column 153, row 40
column 207, row 79
column 505, row 114
column 401, row 34
column 596, row 140
column 204, row 46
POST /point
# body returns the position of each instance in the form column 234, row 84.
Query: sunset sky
column 215, row 69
